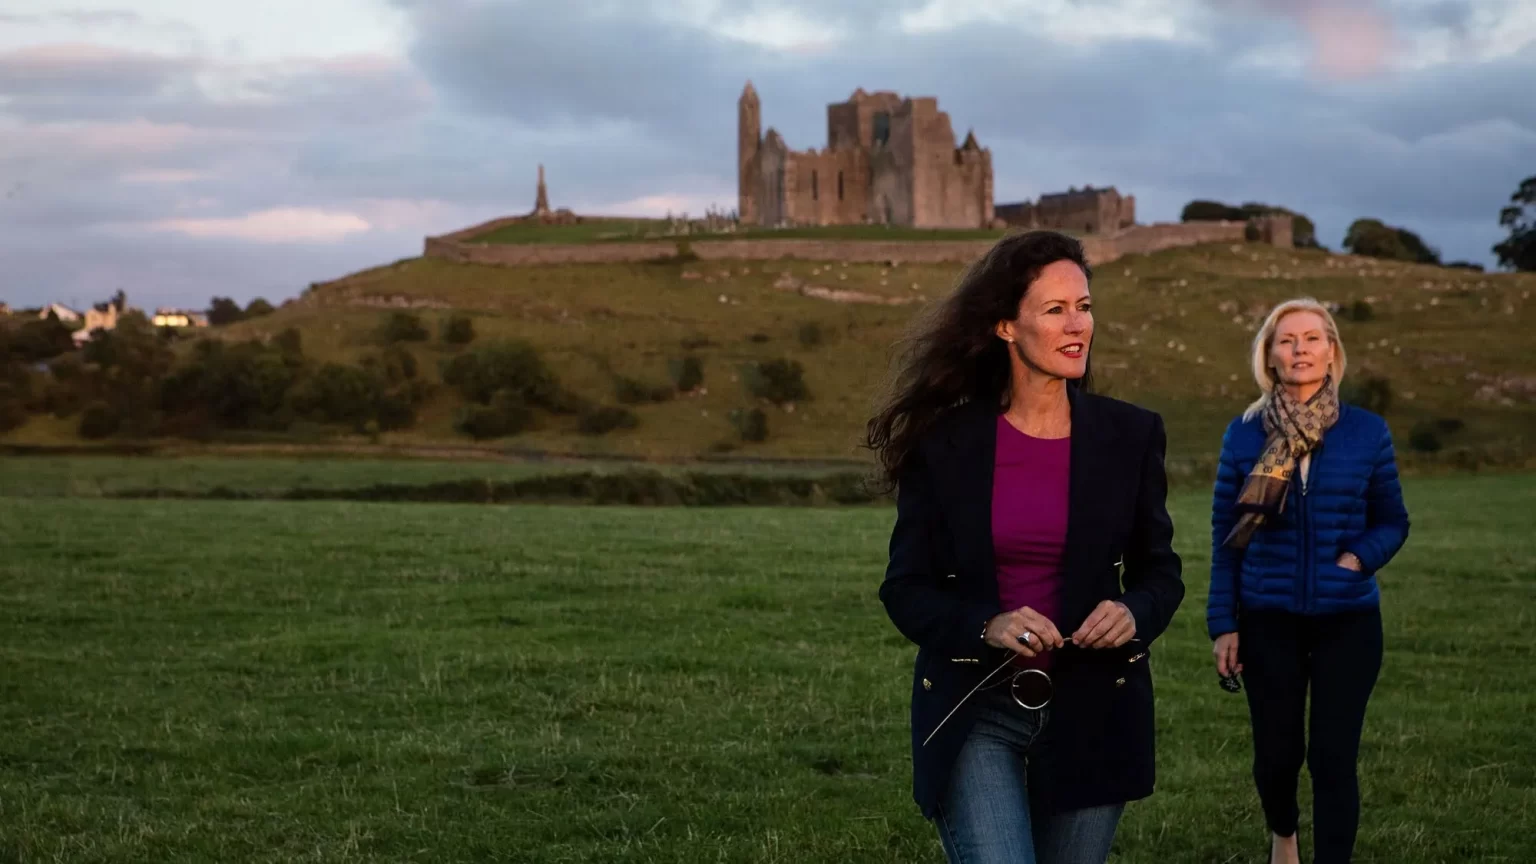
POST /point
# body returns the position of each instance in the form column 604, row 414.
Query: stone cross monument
column 541, row 201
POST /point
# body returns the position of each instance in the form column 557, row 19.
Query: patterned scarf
column 1292, row 429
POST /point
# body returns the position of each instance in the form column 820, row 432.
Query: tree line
column 1376, row 239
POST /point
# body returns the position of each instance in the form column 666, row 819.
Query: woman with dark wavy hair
column 1031, row 562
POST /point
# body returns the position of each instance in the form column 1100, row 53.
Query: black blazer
column 941, row 586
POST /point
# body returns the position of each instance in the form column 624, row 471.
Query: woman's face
column 1054, row 326
column 1301, row 352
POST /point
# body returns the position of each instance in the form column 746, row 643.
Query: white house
column 179, row 318
column 102, row 316
column 66, row 314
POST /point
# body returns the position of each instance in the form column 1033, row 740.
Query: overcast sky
column 179, row 149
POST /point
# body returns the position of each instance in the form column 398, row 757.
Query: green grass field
column 98, row 476
column 233, row 681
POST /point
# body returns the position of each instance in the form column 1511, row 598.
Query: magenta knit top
column 1030, row 485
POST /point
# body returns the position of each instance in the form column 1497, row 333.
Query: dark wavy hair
column 953, row 355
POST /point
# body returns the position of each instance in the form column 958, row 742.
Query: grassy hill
column 613, row 229
column 1173, row 334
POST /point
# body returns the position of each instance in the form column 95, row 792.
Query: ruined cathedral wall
column 895, row 180
column 843, row 126
column 829, row 187
column 965, row 191
column 770, row 180
column 1073, row 213
column 951, row 187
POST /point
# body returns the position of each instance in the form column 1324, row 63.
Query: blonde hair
column 1263, row 342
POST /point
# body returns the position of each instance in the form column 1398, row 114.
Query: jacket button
column 927, row 685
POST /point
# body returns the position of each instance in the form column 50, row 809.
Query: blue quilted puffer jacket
column 1352, row 502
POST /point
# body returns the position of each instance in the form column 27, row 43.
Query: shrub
column 69, row 386
column 290, row 342
column 1374, row 394
column 39, row 339
column 514, row 366
column 98, row 421
column 685, row 253
column 337, row 393
column 1212, row 211
column 1425, row 437
column 1373, row 238
column 600, row 420
column 257, row 308
column 628, row 391
column 13, row 408
column 403, row 327
column 224, row 310
column 506, row 414
column 395, row 364
column 395, row 409
column 458, row 330
column 238, row 385
column 809, row 334
column 1360, row 310
column 687, row 373
column 778, row 381
column 758, row 338
column 750, row 423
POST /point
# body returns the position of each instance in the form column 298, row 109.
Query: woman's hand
column 1109, row 626
column 1225, row 651
column 1003, row 631
column 1349, row 562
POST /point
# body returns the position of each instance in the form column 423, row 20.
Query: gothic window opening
column 839, row 185
column 815, row 188
column 882, row 127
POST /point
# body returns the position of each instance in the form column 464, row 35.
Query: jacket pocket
column 1342, row 583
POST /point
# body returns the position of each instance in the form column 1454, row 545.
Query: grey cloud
column 1448, row 15
column 54, row 85
column 170, row 270
column 621, row 105
column 1183, row 121
column 114, row 85
column 101, row 17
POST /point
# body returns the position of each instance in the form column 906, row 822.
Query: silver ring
column 1025, row 637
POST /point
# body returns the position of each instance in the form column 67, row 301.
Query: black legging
column 1339, row 656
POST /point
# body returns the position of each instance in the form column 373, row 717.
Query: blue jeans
column 984, row 817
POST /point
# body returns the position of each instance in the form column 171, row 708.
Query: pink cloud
column 279, row 225
column 70, row 56
column 107, row 138
column 166, row 176
column 1350, row 38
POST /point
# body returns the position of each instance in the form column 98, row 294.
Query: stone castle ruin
column 889, row 160
column 1087, row 210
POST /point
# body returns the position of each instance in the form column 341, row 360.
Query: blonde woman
column 1307, row 509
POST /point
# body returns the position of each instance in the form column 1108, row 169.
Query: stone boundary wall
column 1100, row 249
